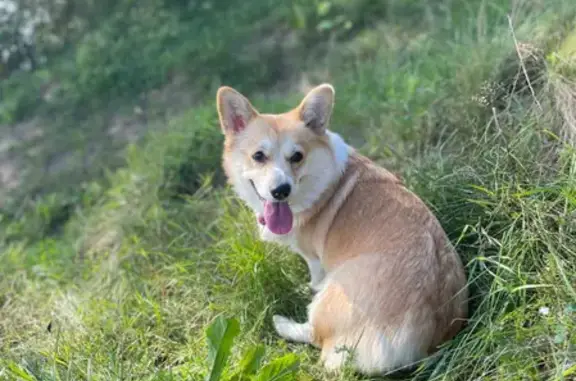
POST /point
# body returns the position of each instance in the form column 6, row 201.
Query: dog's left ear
column 234, row 110
column 316, row 108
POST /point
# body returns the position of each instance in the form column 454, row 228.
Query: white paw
column 290, row 330
column 282, row 325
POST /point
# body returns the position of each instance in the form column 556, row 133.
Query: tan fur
column 395, row 288
column 371, row 215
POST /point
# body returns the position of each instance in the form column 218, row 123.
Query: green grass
column 133, row 65
column 121, row 278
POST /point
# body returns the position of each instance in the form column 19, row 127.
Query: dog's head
column 280, row 164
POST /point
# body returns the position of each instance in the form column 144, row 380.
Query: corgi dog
column 389, row 286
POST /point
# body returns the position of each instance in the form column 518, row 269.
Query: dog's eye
column 259, row 157
column 296, row 157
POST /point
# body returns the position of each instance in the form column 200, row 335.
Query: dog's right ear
column 316, row 108
column 234, row 110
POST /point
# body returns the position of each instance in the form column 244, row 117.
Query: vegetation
column 124, row 256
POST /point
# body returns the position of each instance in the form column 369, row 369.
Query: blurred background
column 119, row 244
column 81, row 79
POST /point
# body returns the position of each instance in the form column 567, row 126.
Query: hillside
column 120, row 245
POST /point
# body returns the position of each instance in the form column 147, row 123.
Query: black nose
column 280, row 193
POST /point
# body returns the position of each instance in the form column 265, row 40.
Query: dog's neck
column 313, row 226
column 343, row 153
column 338, row 190
column 335, row 193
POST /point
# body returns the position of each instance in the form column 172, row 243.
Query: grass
column 129, row 66
column 122, row 278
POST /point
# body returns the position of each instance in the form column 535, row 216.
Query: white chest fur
column 290, row 240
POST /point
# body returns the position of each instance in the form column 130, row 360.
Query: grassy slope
column 138, row 65
column 129, row 286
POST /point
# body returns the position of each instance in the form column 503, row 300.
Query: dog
column 389, row 286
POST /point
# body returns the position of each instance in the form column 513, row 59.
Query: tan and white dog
column 390, row 286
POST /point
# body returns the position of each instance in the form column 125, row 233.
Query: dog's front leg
column 317, row 273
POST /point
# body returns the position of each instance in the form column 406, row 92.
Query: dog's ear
column 234, row 110
column 316, row 108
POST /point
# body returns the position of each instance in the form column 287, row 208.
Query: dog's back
column 395, row 287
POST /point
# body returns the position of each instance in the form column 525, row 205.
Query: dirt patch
column 8, row 176
column 126, row 129
column 6, row 144
column 46, row 151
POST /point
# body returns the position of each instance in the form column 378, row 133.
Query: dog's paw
column 290, row 330
column 281, row 324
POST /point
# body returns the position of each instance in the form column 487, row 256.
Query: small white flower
column 544, row 311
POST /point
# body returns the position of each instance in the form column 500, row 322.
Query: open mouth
column 277, row 216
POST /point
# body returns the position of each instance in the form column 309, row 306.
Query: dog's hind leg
column 333, row 357
column 290, row 330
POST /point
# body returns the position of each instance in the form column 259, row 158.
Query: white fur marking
column 279, row 177
column 290, row 330
column 288, row 148
column 322, row 169
column 341, row 150
column 336, row 358
column 316, row 273
column 266, row 146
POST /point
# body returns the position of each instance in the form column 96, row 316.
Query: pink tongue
column 278, row 217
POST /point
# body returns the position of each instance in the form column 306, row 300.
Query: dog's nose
column 281, row 192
